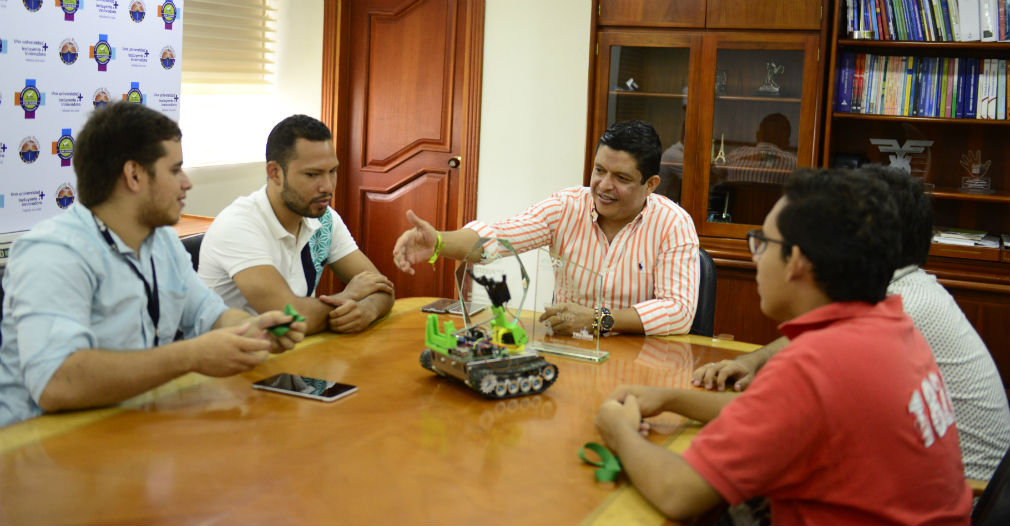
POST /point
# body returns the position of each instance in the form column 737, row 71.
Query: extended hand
column 715, row 375
column 568, row 318
column 348, row 315
column 615, row 417
column 224, row 352
column 414, row 245
column 295, row 334
column 365, row 284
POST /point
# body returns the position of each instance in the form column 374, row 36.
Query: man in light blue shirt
column 96, row 296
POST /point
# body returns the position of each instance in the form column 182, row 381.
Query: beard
column 154, row 216
column 297, row 204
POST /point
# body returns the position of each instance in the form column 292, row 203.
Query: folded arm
column 367, row 296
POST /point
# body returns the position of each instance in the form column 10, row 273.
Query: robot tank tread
column 496, row 377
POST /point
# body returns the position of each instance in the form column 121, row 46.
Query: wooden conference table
column 408, row 447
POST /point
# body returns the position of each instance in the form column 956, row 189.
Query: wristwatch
column 603, row 322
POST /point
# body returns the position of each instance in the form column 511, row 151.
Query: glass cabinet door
column 648, row 81
column 759, row 122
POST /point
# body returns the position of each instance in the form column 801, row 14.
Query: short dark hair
column 915, row 212
column 846, row 224
column 119, row 132
column 640, row 140
column 281, row 141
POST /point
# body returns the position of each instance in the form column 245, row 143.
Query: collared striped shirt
column 651, row 265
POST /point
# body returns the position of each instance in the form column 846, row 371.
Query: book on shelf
column 930, row 20
column 944, row 87
column 965, row 238
column 949, row 232
column 968, row 19
column 987, row 20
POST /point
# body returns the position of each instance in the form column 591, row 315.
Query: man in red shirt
column 850, row 423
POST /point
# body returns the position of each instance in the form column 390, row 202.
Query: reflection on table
column 409, row 447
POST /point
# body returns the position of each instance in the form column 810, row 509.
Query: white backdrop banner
column 59, row 60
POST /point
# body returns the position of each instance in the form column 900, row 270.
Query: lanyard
column 153, row 304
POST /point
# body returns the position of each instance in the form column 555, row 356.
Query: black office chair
column 704, row 317
column 192, row 244
column 994, row 505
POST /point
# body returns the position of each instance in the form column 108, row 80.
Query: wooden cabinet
column 977, row 277
column 753, row 73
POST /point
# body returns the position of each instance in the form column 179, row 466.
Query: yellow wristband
column 438, row 249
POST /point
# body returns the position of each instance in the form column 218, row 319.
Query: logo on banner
column 29, row 98
column 102, row 52
column 64, row 147
column 134, row 95
column 68, row 51
column 167, row 57
column 69, row 7
column 3, row 46
column 137, row 11
column 29, row 150
column 3, row 152
column 168, row 12
column 101, row 98
column 64, row 195
column 32, row 5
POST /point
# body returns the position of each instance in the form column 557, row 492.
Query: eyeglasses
column 757, row 242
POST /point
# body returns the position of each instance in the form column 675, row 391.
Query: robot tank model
column 495, row 365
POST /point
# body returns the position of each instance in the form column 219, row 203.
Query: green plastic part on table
column 609, row 466
column 283, row 328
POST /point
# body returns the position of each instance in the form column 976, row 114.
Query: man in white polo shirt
column 268, row 249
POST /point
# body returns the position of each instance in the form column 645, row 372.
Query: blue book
column 934, row 87
column 962, row 74
column 913, row 18
column 871, row 11
column 948, row 34
column 889, row 17
column 972, row 90
column 843, row 101
column 920, row 86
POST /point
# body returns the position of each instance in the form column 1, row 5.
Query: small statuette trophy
column 770, row 87
column 976, row 181
column 720, row 157
column 720, row 82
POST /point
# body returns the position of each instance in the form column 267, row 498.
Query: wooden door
column 407, row 104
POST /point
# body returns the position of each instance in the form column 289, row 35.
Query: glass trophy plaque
column 536, row 281
column 556, row 282
column 977, row 180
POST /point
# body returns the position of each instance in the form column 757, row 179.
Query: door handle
column 454, row 162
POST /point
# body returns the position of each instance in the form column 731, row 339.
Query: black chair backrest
column 192, row 244
column 704, row 317
column 994, row 505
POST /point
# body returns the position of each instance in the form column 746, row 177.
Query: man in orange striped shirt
column 633, row 253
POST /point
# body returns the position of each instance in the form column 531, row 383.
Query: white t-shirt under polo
column 247, row 234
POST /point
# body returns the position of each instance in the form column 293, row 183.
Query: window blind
column 228, row 42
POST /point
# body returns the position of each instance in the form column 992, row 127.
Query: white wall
column 534, row 101
column 224, row 134
column 533, row 116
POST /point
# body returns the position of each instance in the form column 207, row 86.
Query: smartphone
column 450, row 306
column 439, row 306
column 304, row 386
column 471, row 308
